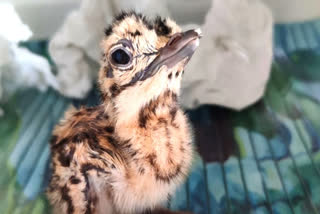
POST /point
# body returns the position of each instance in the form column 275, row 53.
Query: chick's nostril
column 174, row 39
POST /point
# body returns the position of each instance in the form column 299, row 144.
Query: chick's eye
column 121, row 57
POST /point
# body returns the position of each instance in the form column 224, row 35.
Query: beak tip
column 199, row 32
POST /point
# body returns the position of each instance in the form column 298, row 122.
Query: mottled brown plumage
column 128, row 154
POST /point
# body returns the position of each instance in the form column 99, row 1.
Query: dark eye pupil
column 120, row 57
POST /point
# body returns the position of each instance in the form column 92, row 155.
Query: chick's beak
column 180, row 46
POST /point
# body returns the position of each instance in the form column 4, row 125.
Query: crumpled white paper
column 230, row 68
column 19, row 68
column 232, row 64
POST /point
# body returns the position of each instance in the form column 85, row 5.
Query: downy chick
column 129, row 154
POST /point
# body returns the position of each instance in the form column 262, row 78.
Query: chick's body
column 128, row 154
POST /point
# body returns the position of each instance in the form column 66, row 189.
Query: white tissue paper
column 232, row 64
column 19, row 68
column 230, row 68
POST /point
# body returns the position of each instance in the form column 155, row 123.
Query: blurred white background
column 53, row 12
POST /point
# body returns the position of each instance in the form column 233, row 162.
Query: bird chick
column 129, row 154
